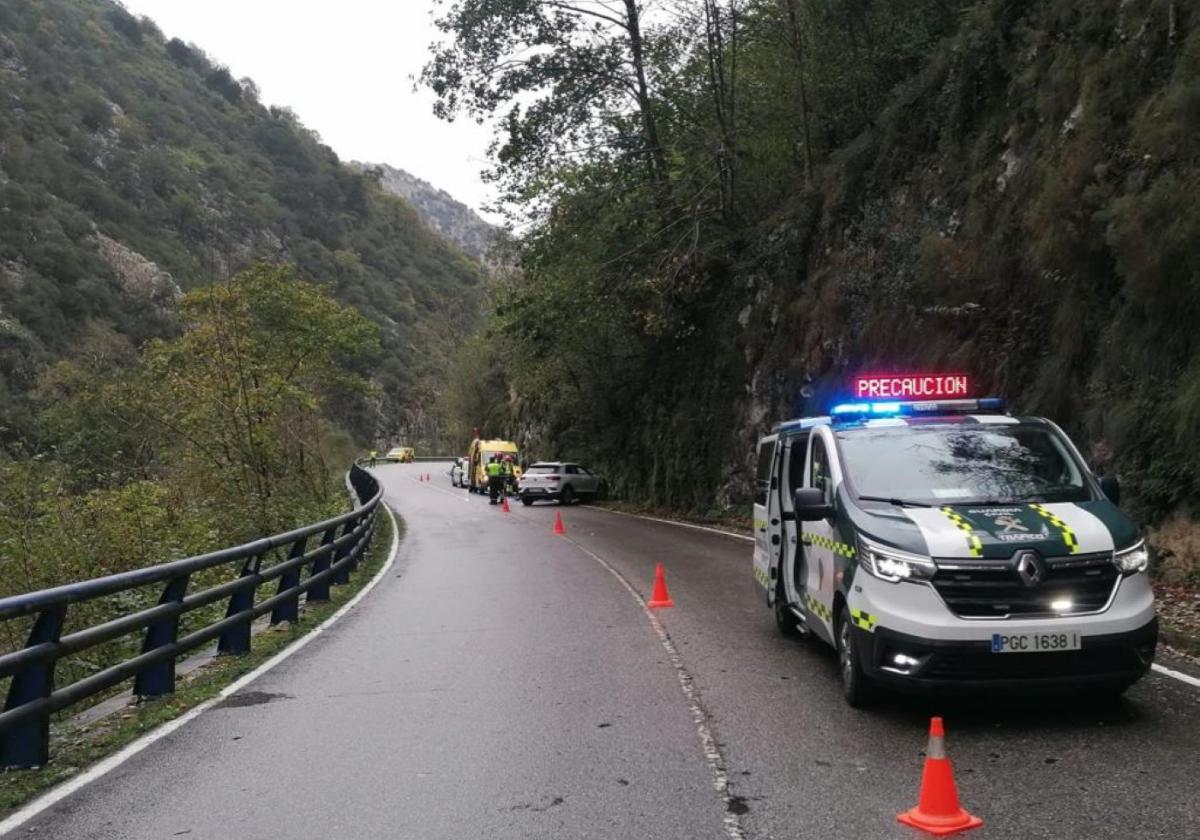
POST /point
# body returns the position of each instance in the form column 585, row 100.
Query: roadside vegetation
column 731, row 205
column 218, row 436
column 133, row 168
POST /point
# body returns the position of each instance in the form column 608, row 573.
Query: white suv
column 557, row 480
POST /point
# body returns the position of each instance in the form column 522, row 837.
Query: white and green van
column 944, row 542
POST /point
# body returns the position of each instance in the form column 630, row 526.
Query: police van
column 935, row 540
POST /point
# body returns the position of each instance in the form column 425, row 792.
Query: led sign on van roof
column 912, row 386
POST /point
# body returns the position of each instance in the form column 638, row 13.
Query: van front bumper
column 1116, row 658
column 1116, row 645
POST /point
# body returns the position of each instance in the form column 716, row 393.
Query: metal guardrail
column 32, row 695
column 419, row 459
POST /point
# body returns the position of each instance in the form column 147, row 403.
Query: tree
column 242, row 392
column 125, row 23
column 571, row 80
column 222, row 81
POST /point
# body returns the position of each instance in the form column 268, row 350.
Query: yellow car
column 402, row 454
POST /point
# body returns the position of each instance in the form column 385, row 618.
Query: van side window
column 820, row 476
column 762, row 475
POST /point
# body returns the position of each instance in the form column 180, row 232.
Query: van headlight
column 893, row 565
column 1132, row 560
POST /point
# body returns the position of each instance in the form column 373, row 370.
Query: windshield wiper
column 896, row 502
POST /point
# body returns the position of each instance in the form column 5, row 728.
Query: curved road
column 506, row 683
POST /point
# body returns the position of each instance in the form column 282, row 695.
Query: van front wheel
column 856, row 686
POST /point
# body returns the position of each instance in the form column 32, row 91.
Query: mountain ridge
column 134, row 167
column 451, row 218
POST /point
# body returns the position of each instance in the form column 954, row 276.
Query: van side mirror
column 810, row 505
column 1111, row 488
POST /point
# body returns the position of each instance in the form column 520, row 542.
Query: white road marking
column 1179, row 675
column 723, row 533
column 700, row 717
column 98, row 770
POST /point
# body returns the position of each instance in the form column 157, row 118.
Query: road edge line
column 691, row 525
column 701, row 718
column 112, row 762
column 1179, row 675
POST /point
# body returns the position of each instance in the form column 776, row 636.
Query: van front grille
column 995, row 588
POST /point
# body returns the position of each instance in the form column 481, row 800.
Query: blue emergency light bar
column 859, row 410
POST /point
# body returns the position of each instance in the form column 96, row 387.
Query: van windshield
column 962, row 464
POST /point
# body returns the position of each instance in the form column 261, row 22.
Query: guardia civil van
column 938, row 542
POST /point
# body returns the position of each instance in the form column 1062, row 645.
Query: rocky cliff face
column 441, row 211
column 1024, row 210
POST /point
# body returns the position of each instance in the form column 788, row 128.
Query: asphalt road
column 507, row 683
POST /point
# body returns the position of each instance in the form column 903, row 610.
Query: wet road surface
column 503, row 682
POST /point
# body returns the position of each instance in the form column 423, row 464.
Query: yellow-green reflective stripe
column 974, row 545
column 1068, row 536
column 836, row 547
column 863, row 619
column 817, row 608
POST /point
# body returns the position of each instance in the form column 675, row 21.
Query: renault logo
column 1030, row 568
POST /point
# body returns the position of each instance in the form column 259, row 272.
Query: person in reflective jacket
column 509, row 474
column 495, row 477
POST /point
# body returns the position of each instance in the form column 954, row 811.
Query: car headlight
column 1132, row 560
column 893, row 565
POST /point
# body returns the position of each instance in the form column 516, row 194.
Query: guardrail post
column 360, row 548
column 289, row 610
column 28, row 744
column 158, row 678
column 237, row 639
column 342, row 576
column 320, row 591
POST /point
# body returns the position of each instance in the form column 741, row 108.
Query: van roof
column 799, row 424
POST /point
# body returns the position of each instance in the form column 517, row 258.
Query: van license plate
column 1034, row 642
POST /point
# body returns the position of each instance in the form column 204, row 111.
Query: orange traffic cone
column 504, row 504
column 659, row 597
column 938, row 811
column 559, row 530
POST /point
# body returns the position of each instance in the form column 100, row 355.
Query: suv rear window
column 543, row 468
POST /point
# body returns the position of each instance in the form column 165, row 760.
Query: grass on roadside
column 75, row 747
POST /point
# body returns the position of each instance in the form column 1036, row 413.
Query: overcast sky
column 344, row 67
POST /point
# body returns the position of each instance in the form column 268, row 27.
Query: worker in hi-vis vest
column 495, row 479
